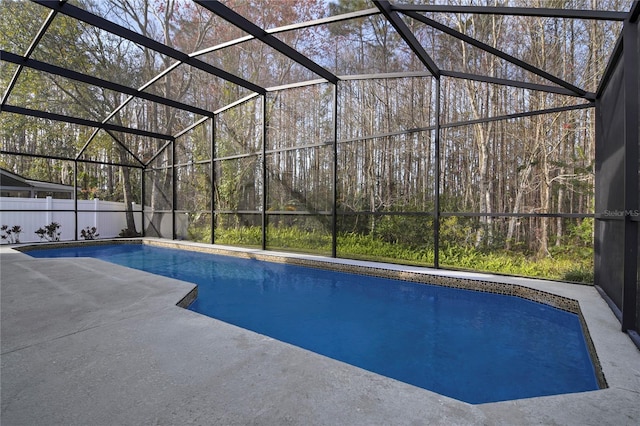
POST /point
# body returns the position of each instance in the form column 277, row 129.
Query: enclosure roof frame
column 244, row 24
column 113, row 28
column 390, row 11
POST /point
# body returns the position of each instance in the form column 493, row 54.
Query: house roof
column 9, row 180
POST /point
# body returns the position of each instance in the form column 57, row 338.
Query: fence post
column 135, row 216
column 96, row 206
column 49, row 207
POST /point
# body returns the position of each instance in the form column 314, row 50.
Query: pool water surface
column 472, row 346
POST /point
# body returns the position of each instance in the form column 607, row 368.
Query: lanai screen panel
column 238, row 163
column 519, row 165
column 18, row 39
column 300, row 117
column 59, row 95
column 109, row 183
column 193, row 181
column 151, row 116
column 386, row 168
column 370, row 108
column 385, row 145
column 192, row 86
column 238, row 201
column 158, row 196
column 475, row 100
column 610, row 208
column 193, row 201
column 616, row 170
column 299, row 168
column 23, row 134
column 47, row 205
column 114, row 195
column 239, row 130
column 258, row 63
column 196, row 145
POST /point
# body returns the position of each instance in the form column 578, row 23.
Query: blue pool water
column 473, row 346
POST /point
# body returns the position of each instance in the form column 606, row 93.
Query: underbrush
column 565, row 263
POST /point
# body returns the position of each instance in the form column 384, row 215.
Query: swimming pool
column 473, row 346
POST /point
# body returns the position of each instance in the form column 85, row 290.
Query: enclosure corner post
column 173, row 189
column 264, row 171
column 631, row 156
column 436, row 186
column 142, row 198
column 213, row 179
column 75, row 200
column 334, row 212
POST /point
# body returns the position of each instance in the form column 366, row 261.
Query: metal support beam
column 436, row 186
column 496, row 52
column 83, row 78
column 191, row 127
column 109, row 26
column 83, row 122
column 157, row 154
column 516, row 11
column 515, row 83
column 518, row 115
column 43, row 29
column 608, row 72
column 61, row 158
column 634, row 13
column 213, row 180
column 264, row 171
column 75, row 200
column 143, row 195
column 334, row 210
column 174, row 191
column 126, row 148
column 408, row 36
column 244, row 24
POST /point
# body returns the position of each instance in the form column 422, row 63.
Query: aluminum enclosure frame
column 617, row 236
column 625, row 60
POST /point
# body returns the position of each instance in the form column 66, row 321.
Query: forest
column 394, row 165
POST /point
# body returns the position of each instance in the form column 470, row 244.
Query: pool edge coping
column 423, row 276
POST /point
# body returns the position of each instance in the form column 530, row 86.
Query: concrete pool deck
column 85, row 342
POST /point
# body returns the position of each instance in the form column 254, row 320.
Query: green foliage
column 296, row 239
column 199, row 227
column 582, row 232
column 412, row 231
column 250, row 236
column 573, row 264
column 279, row 238
column 579, row 275
column 367, row 247
column 455, row 231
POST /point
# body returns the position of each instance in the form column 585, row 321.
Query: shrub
column 49, row 232
column 579, row 275
column 89, row 233
column 12, row 235
column 129, row 233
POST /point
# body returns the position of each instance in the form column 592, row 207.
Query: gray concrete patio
column 85, row 342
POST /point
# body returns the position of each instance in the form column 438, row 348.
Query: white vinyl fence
column 33, row 213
